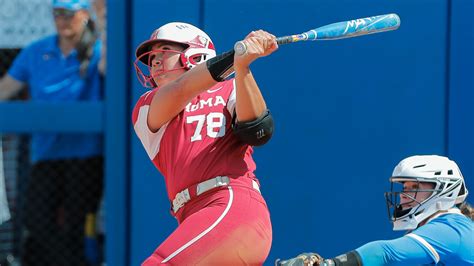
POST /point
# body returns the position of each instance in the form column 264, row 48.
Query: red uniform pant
column 225, row 226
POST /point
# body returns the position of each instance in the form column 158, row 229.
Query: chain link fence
column 23, row 21
column 54, row 206
column 65, row 219
column 11, row 145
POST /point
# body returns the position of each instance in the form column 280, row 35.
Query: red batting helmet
column 198, row 47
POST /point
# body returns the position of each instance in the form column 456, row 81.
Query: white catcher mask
column 448, row 189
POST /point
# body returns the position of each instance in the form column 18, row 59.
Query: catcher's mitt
column 304, row 259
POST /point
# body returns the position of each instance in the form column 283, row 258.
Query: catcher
column 431, row 206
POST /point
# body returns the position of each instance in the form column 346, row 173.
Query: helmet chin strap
column 399, row 211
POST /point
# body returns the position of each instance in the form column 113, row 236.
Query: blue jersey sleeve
column 20, row 70
column 443, row 240
column 400, row 251
column 443, row 235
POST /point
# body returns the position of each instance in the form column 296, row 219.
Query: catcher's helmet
column 448, row 189
column 198, row 47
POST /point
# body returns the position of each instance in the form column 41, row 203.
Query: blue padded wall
column 346, row 112
column 461, row 93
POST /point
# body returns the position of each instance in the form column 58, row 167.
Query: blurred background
column 346, row 112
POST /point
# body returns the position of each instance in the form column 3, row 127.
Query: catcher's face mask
column 423, row 185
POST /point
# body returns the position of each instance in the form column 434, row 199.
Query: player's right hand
column 304, row 259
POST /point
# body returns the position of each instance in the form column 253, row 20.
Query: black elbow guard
column 221, row 65
column 256, row 132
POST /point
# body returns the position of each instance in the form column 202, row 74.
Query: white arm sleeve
column 150, row 140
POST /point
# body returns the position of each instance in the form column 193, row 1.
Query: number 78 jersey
column 197, row 144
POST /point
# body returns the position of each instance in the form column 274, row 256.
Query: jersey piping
column 422, row 241
column 192, row 241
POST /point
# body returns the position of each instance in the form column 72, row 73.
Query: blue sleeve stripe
column 423, row 242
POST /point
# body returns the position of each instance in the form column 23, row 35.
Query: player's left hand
column 304, row 259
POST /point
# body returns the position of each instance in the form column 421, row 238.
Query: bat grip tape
column 284, row 40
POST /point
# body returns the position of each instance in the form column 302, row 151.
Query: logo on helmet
column 200, row 42
column 181, row 26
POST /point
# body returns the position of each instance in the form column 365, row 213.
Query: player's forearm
column 9, row 88
column 250, row 103
column 171, row 99
column 400, row 251
column 5, row 94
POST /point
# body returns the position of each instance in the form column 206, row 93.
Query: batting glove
column 304, row 259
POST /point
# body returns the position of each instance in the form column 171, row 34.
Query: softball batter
column 199, row 131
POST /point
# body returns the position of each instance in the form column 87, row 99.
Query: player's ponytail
column 467, row 210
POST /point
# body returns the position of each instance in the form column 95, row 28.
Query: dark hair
column 85, row 46
column 467, row 210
